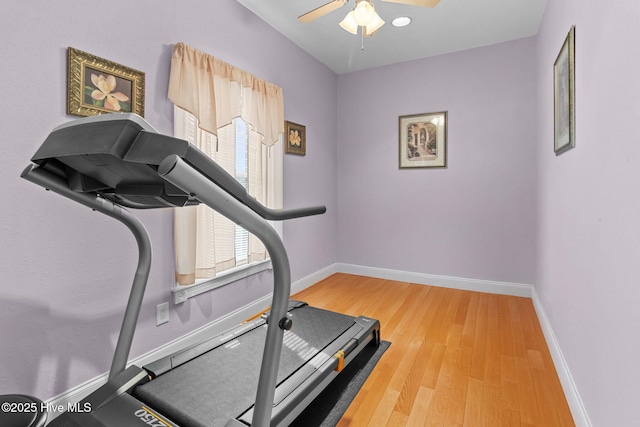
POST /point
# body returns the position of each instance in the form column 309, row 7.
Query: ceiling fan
column 363, row 15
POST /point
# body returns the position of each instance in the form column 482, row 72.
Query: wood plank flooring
column 458, row 358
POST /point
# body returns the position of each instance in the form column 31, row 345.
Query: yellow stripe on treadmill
column 158, row 417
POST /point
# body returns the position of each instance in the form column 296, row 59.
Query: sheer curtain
column 208, row 94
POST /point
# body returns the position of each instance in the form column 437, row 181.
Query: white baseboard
column 492, row 287
column 579, row 412
column 313, row 278
column 232, row 319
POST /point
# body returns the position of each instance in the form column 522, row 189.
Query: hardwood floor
column 458, row 358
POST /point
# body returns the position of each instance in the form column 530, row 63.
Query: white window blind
column 220, row 245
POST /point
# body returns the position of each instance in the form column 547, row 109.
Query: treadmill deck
column 220, row 385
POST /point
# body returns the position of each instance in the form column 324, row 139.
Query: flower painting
column 294, row 138
column 107, row 91
column 296, row 141
column 98, row 86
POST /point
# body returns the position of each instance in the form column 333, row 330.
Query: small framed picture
column 96, row 86
column 423, row 140
column 564, row 96
column 296, row 138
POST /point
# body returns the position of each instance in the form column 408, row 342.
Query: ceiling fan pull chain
column 362, row 34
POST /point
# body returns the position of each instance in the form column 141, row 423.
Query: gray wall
column 589, row 205
column 475, row 219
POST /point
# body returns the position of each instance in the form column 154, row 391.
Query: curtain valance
column 216, row 92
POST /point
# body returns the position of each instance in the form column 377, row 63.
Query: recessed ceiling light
column 401, row 21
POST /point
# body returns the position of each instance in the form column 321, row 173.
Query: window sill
column 183, row 293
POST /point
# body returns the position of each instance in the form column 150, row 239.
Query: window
column 242, row 147
column 237, row 119
column 224, row 251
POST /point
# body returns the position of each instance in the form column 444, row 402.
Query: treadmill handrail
column 55, row 183
column 284, row 214
column 184, row 176
column 223, row 179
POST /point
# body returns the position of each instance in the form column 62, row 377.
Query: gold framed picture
column 564, row 96
column 423, row 140
column 296, row 138
column 96, row 86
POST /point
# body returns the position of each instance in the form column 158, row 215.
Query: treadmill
column 263, row 372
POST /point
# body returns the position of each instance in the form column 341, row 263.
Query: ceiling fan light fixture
column 375, row 24
column 349, row 23
column 364, row 13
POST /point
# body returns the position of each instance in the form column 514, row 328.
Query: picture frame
column 96, row 86
column 423, row 140
column 564, row 125
column 296, row 138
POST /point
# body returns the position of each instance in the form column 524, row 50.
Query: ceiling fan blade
column 425, row 3
column 322, row 10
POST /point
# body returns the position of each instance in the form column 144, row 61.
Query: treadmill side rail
column 125, row 411
column 112, row 405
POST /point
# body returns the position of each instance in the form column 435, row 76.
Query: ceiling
column 451, row 26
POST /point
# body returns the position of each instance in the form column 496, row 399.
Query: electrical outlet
column 162, row 313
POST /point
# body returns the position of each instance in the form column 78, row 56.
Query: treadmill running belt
column 221, row 384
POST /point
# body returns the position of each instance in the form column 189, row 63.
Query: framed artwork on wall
column 423, row 140
column 564, row 96
column 96, row 86
column 296, row 138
